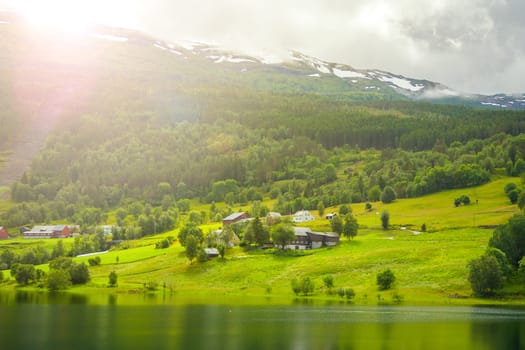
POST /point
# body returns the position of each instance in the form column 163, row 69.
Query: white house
column 303, row 216
column 331, row 216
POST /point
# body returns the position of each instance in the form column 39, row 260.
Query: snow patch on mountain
column 230, row 59
column 493, row 104
column 348, row 74
column 315, row 63
column 402, row 83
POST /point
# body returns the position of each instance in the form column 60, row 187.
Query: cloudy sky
column 469, row 45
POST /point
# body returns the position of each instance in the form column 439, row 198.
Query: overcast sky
column 469, row 45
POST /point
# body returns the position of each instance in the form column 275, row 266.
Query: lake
column 40, row 321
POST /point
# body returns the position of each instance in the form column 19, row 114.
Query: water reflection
column 64, row 321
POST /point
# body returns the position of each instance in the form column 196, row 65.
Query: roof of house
column 301, row 231
column 211, row 251
column 46, row 229
column 274, row 214
column 302, row 212
column 234, row 216
column 332, row 234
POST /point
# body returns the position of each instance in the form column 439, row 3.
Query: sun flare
column 70, row 15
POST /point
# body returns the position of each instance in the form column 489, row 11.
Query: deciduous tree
column 282, row 234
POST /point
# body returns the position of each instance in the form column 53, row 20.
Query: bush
column 165, row 243
column 349, row 293
column 296, row 286
column 202, row 256
column 509, row 187
column 385, row 279
column 385, row 220
column 25, row 274
column 79, row 274
column 344, row 209
column 329, row 281
column 305, row 286
column 464, row 199
column 151, row 286
column 513, row 196
column 58, row 280
column 94, row 261
column 485, row 275
column 388, row 195
column 112, row 279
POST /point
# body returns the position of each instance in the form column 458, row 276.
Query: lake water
column 41, row 321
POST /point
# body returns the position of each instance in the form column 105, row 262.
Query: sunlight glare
column 71, row 15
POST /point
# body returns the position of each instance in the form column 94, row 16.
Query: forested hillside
column 129, row 122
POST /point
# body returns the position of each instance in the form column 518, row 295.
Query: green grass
column 430, row 267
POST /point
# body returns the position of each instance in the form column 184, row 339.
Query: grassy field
column 430, row 267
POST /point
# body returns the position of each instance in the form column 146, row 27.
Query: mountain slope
column 128, row 83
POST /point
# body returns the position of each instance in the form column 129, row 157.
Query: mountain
column 95, row 122
column 366, row 80
column 300, row 73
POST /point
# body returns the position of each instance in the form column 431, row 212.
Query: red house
column 3, row 233
column 57, row 231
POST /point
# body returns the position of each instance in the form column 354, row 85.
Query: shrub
column 513, row 196
column 388, row 195
column 151, row 286
column 25, row 274
column 94, row 261
column 296, row 287
column 385, row 279
column 385, row 219
column 202, row 256
column 485, row 275
column 509, row 187
column 463, row 199
column 112, row 279
column 349, row 293
column 58, row 280
column 165, row 243
column 328, row 281
column 344, row 209
column 79, row 274
column 397, row 298
column 305, row 286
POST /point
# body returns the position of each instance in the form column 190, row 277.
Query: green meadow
column 430, row 267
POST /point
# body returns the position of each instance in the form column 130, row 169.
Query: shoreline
column 124, row 296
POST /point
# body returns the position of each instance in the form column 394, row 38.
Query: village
column 304, row 237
